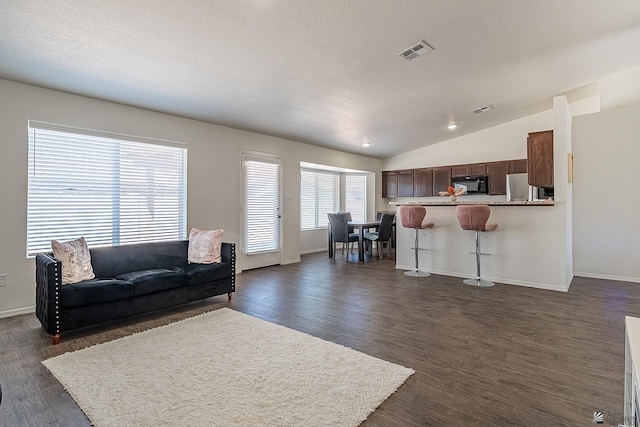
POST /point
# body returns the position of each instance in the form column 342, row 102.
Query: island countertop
column 477, row 202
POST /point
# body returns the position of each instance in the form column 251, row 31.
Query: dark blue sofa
column 130, row 280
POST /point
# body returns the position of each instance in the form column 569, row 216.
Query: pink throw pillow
column 75, row 258
column 204, row 246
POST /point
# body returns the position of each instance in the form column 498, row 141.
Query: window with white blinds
column 262, row 204
column 111, row 189
column 319, row 195
column 355, row 198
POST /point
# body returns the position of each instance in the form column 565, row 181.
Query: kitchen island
column 527, row 249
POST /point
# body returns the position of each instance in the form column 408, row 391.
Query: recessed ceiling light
column 366, row 144
column 452, row 126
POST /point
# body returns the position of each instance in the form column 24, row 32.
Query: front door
column 261, row 186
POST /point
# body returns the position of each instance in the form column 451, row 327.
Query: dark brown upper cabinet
column 497, row 176
column 405, row 183
column 441, row 179
column 397, row 183
column 427, row 182
column 474, row 169
column 518, row 166
column 540, row 158
column 459, row 170
column 389, row 184
column 423, row 182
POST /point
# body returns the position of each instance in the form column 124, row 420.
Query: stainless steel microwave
column 471, row 184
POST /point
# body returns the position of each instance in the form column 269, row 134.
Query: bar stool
column 412, row 217
column 474, row 218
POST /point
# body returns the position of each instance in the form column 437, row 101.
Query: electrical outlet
column 3, row 280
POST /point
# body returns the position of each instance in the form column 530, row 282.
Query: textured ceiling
column 324, row 72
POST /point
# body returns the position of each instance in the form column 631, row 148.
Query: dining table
column 361, row 226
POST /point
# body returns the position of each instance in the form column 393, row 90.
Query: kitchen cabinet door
column 497, row 176
column 459, row 170
column 441, row 179
column 477, row 169
column 423, row 182
column 405, row 183
column 540, row 158
column 474, row 169
column 518, row 166
column 389, row 184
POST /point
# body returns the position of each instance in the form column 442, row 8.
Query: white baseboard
column 608, row 277
column 17, row 312
column 546, row 286
column 313, row 251
column 290, row 261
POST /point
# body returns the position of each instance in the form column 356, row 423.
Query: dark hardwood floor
column 501, row 356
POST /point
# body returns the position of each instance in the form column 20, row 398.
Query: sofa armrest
column 48, row 286
column 228, row 253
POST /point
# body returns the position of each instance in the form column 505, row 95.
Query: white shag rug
column 225, row 368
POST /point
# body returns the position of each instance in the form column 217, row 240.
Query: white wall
column 621, row 90
column 563, row 191
column 606, row 208
column 213, row 171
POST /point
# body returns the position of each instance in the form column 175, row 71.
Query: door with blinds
column 261, row 217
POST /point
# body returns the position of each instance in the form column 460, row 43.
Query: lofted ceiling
column 324, row 72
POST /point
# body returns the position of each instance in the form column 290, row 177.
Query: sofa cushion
column 95, row 291
column 198, row 274
column 116, row 260
column 149, row 281
column 75, row 258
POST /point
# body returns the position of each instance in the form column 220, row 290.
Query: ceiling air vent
column 482, row 109
column 415, row 51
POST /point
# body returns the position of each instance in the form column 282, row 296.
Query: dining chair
column 348, row 214
column 340, row 231
column 383, row 235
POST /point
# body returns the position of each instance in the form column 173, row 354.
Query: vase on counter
column 453, row 198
